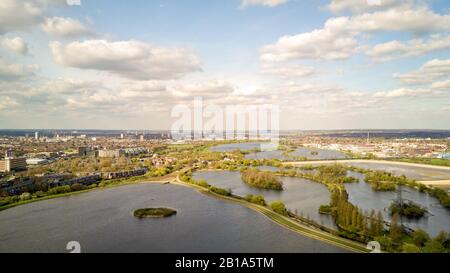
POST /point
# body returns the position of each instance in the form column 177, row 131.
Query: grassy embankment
column 282, row 220
column 426, row 161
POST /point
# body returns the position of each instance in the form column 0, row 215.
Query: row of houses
column 15, row 187
column 88, row 151
column 18, row 186
column 84, row 180
column 124, row 174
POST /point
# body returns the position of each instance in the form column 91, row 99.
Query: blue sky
column 124, row 65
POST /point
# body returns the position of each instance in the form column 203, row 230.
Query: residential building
column 111, row 153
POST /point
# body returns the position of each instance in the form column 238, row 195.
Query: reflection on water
column 301, row 196
column 362, row 195
column 102, row 222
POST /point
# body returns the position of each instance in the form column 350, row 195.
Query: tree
column 410, row 248
column 385, row 242
column 443, row 238
column 372, row 224
column 420, row 237
column 433, row 246
column 279, row 207
column 354, row 217
column 379, row 224
column 395, row 229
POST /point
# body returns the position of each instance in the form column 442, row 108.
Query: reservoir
column 301, row 196
column 362, row 195
column 412, row 172
column 102, row 221
column 309, row 153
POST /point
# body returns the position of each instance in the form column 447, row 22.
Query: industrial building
column 10, row 163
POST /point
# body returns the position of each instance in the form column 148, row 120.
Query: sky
column 335, row 64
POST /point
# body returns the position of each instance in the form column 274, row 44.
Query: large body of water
column 102, row 221
column 412, row 172
column 301, row 196
column 318, row 155
column 309, row 153
column 362, row 195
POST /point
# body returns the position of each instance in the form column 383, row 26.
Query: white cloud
column 64, row 86
column 337, row 40
column 143, row 89
column 442, row 85
column 266, row 3
column 405, row 92
column 410, row 19
column 396, row 49
column 288, row 70
column 16, row 45
column 18, row 15
column 430, row 71
column 10, row 71
column 360, row 6
column 64, row 27
column 131, row 59
column 7, row 103
column 319, row 44
column 207, row 89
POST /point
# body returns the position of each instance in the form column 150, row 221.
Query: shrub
column 220, row 191
column 410, row 248
column 76, row 187
column 256, row 199
column 59, row 190
column 420, row 237
column 279, row 207
column 25, row 196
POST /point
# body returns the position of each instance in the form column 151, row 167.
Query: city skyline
column 328, row 64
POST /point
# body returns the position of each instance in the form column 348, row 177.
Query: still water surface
column 362, row 195
column 102, row 221
column 301, row 196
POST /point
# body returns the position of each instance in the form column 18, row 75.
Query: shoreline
column 284, row 221
column 367, row 161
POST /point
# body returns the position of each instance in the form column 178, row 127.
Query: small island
column 408, row 209
column 154, row 213
column 262, row 180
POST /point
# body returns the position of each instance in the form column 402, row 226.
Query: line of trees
column 353, row 219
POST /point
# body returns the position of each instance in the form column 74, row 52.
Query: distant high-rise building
column 142, row 138
column 121, row 136
column 36, row 135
